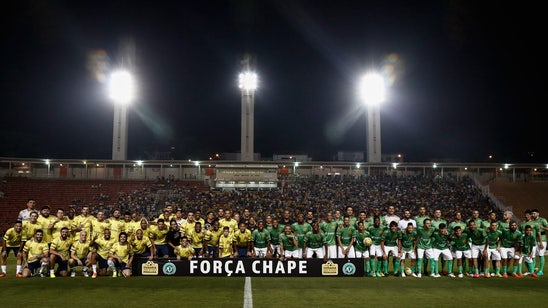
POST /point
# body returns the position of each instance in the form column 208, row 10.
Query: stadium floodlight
column 372, row 92
column 122, row 87
column 248, row 81
column 372, row 89
column 122, row 90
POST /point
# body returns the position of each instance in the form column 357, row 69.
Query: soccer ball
column 367, row 241
column 408, row 271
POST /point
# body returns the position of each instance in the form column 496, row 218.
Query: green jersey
column 460, row 243
column 329, row 230
column 531, row 223
column 424, row 238
column 454, row 224
column 366, row 224
column 314, row 240
column 275, row 234
column 346, row 234
column 301, row 230
column 440, row 241
column 508, row 239
column 376, row 234
column 542, row 222
column 391, row 238
column 477, row 237
column 527, row 244
column 408, row 240
column 420, row 220
column 480, row 224
column 360, row 236
column 503, row 225
column 287, row 242
column 436, row 223
column 260, row 239
column 372, row 218
column 493, row 238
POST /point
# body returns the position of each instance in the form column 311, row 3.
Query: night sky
column 468, row 79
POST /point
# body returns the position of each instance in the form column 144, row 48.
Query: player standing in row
column 13, row 242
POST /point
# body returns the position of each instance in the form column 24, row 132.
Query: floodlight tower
column 372, row 94
column 122, row 93
column 248, row 84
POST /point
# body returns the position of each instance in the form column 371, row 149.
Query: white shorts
column 292, row 253
column 493, row 254
column 260, row 252
column 428, row 253
column 332, row 251
column 477, row 250
column 408, row 255
column 375, row 251
column 351, row 252
column 319, row 252
column 362, row 254
column 542, row 251
column 275, row 249
column 530, row 259
column 445, row 253
column 508, row 253
column 391, row 250
column 459, row 254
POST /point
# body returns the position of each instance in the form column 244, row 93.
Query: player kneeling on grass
column 120, row 256
column 260, row 242
column 315, row 244
column 185, row 250
column 80, row 255
column 12, row 242
column 289, row 246
column 59, row 254
column 35, row 255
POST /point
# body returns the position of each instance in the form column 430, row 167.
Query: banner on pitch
column 250, row 267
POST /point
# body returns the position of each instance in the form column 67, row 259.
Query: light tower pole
column 372, row 94
column 122, row 93
column 248, row 85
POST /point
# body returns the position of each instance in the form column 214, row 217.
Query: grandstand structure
column 65, row 183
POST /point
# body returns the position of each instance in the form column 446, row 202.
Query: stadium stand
column 521, row 196
column 58, row 193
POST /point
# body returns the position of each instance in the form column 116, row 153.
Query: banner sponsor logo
column 149, row 268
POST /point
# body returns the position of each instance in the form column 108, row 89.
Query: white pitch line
column 248, row 295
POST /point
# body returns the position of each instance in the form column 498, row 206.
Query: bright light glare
column 122, row 87
column 372, row 90
column 248, row 81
